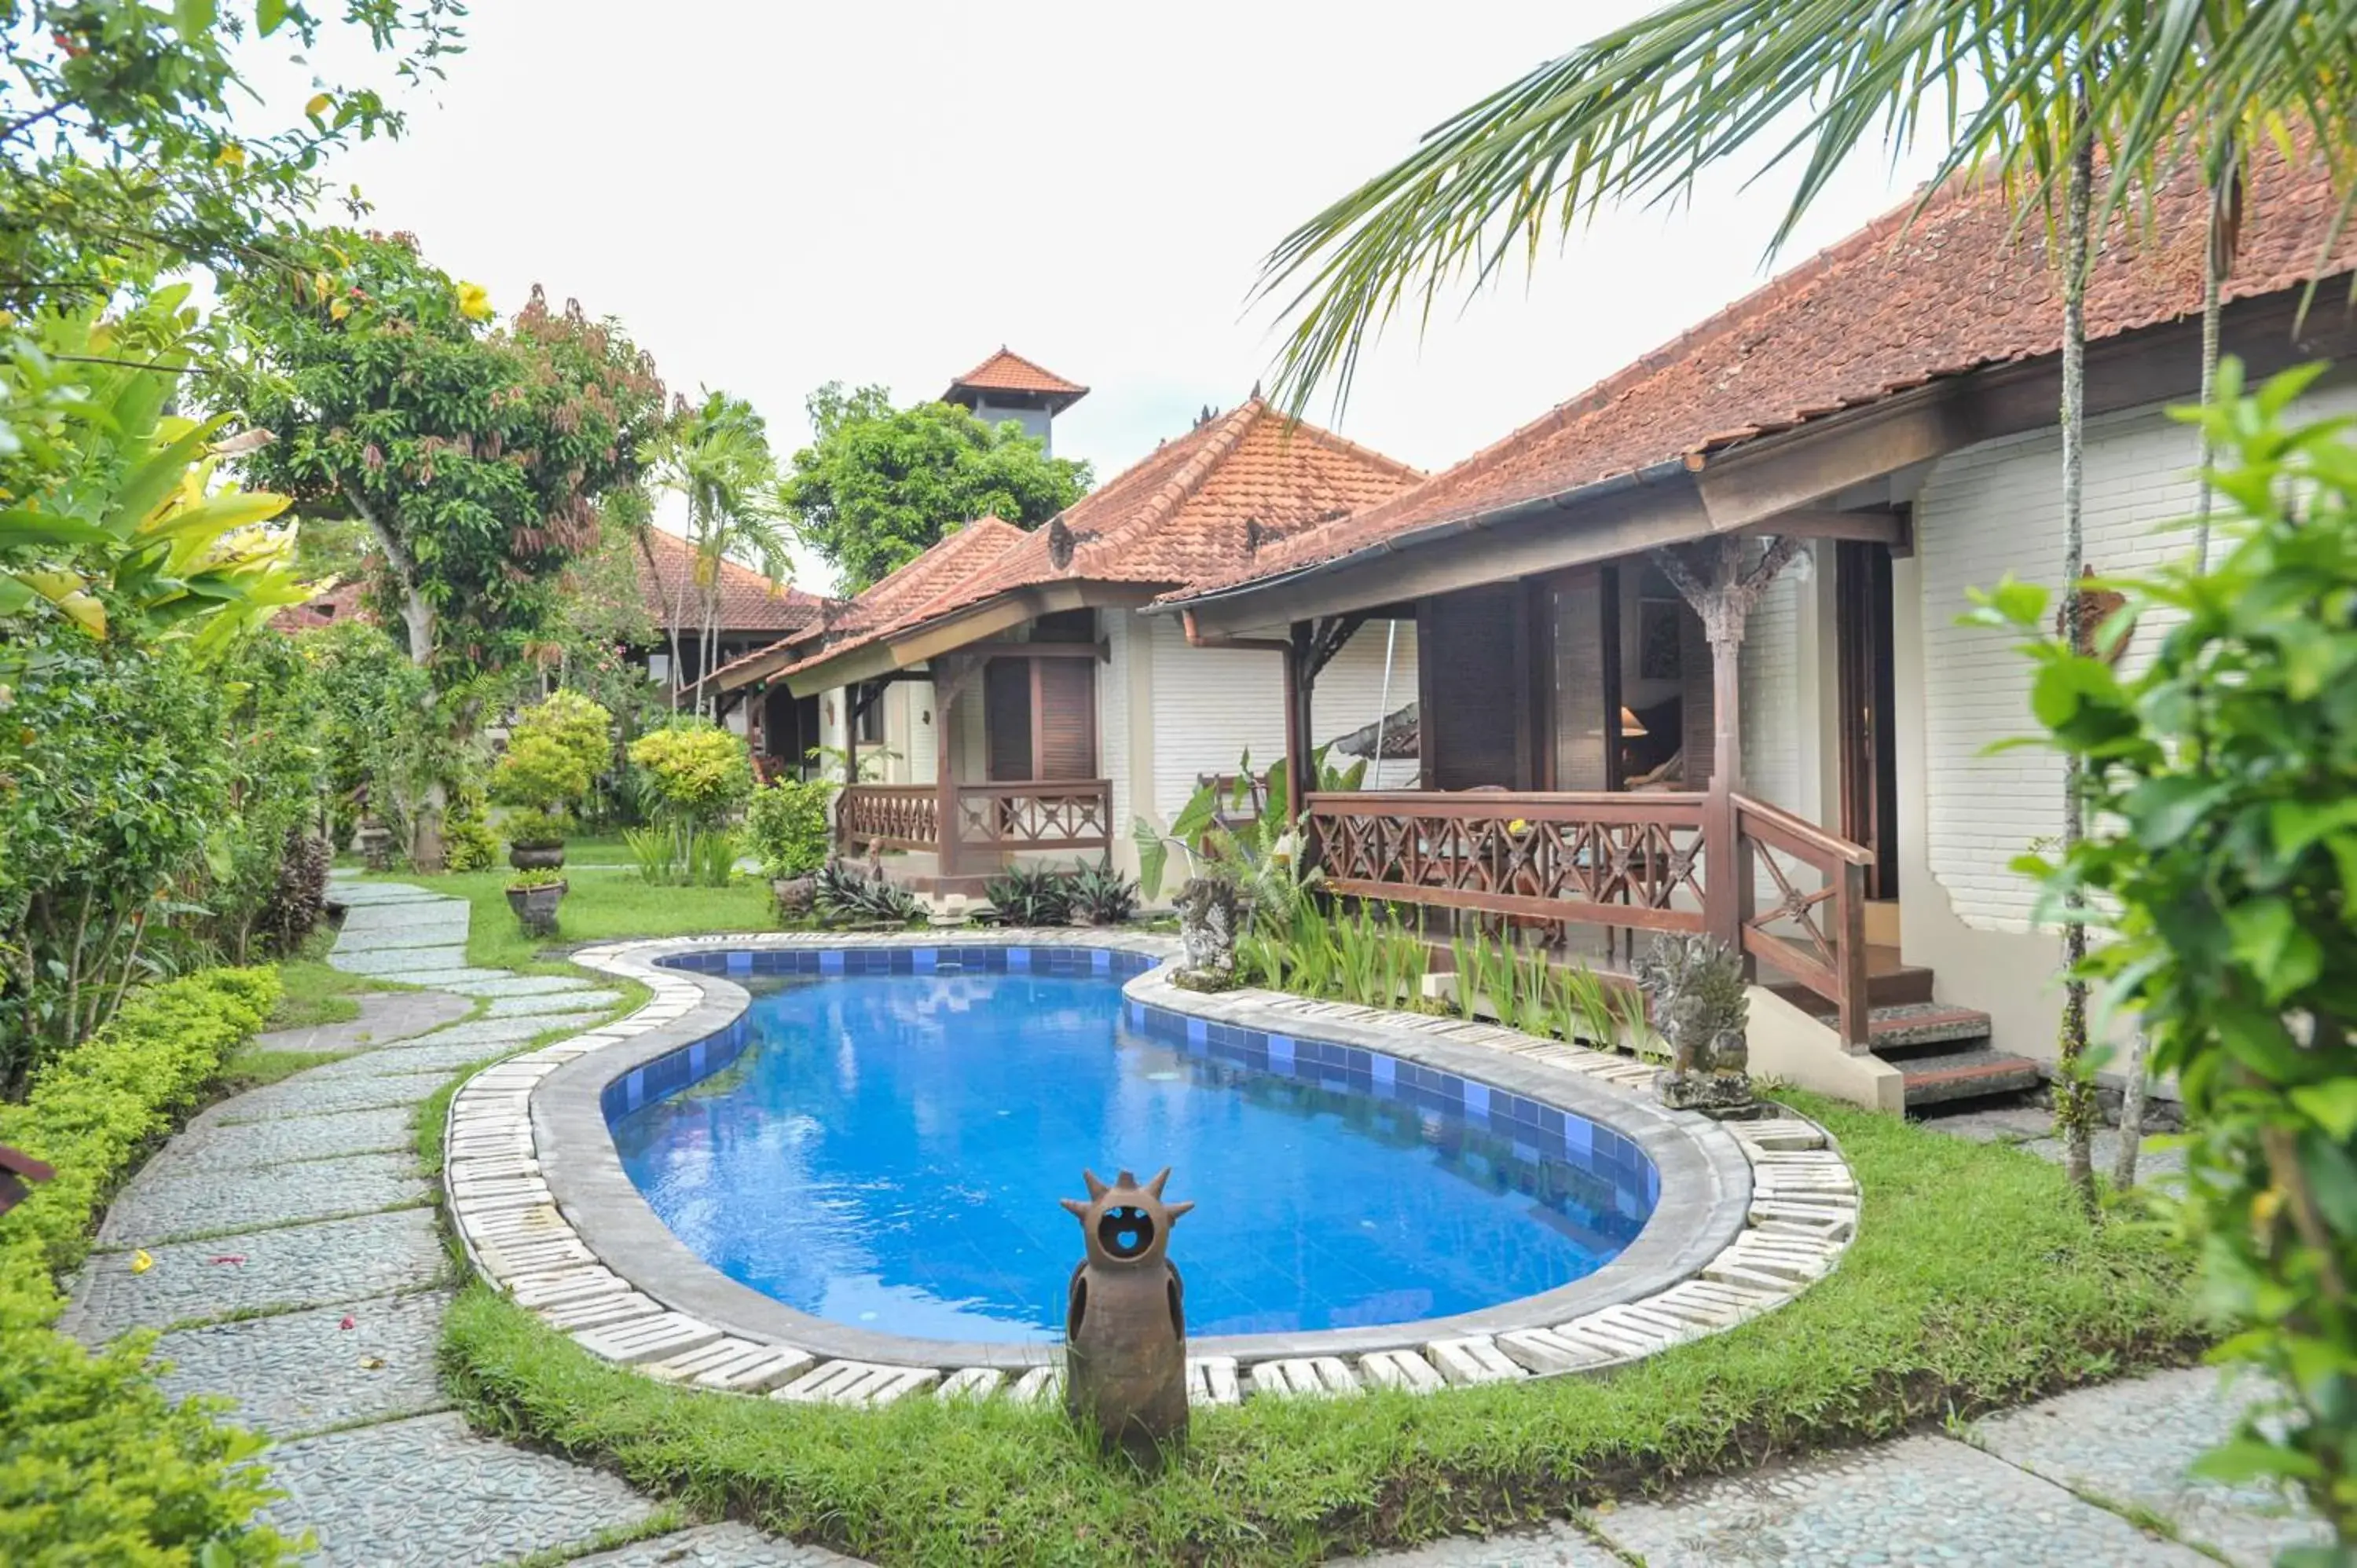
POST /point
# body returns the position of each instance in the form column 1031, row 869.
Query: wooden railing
column 1624, row 862
column 1820, row 882
column 888, row 816
column 1075, row 813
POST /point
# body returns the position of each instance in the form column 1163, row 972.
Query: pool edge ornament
column 1125, row 1319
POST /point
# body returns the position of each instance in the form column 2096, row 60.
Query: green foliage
column 380, row 729
column 1249, row 824
column 133, row 144
column 524, row 881
column 467, row 842
column 1370, row 958
column 699, row 772
column 529, row 830
column 555, row 750
column 845, row 897
column 112, row 525
column 714, row 456
column 96, row 1465
column 787, row 827
column 1102, row 896
column 273, row 748
column 1931, row 1314
column 112, row 774
column 1029, row 896
column 878, row 485
column 712, row 857
column 477, row 460
column 2221, row 867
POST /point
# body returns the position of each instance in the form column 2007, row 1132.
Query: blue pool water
column 886, row 1150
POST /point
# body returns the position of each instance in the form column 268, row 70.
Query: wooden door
column 1065, row 692
column 1584, row 675
column 1473, row 659
column 1869, row 765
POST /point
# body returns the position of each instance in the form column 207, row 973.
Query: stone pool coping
column 1748, row 1213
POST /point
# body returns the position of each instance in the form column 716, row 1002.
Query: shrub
column 467, row 842
column 1102, row 895
column 526, row 881
column 1029, row 896
column 554, row 753
column 2221, row 854
column 787, row 829
column 532, row 828
column 300, row 900
column 96, row 1465
column 698, row 770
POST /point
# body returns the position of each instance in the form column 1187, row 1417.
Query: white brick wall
column 1996, row 507
column 1770, row 670
column 1118, row 627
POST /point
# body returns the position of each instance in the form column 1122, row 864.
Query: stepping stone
column 449, row 978
column 1921, row 1500
column 2134, row 1442
column 170, row 1200
column 243, row 1147
column 302, row 1265
column 647, row 1339
column 385, row 1016
column 1555, row 1545
column 303, row 1370
column 307, row 1094
column 553, row 1002
column 422, row 933
column 862, row 1383
column 1542, row 1350
column 428, row 1492
column 396, row 963
column 728, row 1545
column 1472, row 1360
column 500, row 982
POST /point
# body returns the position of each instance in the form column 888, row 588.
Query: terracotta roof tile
column 749, row 601
column 1896, row 305
column 341, row 604
column 1202, row 505
column 1007, row 371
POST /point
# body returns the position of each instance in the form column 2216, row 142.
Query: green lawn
column 1974, row 1284
column 314, row 994
column 599, row 905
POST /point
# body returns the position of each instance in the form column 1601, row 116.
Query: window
column 870, row 730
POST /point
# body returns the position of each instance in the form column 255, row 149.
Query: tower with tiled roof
column 1009, row 386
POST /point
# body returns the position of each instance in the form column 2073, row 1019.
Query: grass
column 599, row 905
column 249, row 1069
column 313, row 993
column 1974, row 1284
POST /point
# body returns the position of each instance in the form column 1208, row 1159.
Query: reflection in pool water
column 888, row 1150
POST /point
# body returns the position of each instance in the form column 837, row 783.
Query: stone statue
column 1211, row 913
column 1695, row 1000
column 1126, row 1320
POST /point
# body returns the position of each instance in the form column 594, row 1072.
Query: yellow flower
column 230, row 156
column 474, row 302
column 1517, row 825
column 141, row 1263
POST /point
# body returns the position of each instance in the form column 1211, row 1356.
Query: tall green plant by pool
column 699, row 775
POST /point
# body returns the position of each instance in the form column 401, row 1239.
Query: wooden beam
column 1877, row 525
column 947, row 673
column 1100, row 651
column 1298, row 680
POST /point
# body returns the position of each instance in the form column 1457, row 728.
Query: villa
column 1007, row 684
column 1816, row 475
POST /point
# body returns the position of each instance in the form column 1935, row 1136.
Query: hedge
column 96, row 1465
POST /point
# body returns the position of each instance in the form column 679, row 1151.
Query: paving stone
column 507, row 984
column 714, row 1546
column 303, row 1370
column 450, row 979
column 305, row 1265
column 309, row 1094
column 1557, row 1546
column 398, row 961
column 1917, row 1500
column 2133, row 1442
column 427, row 1491
column 169, row 1199
column 385, row 1016
column 553, row 1002
column 249, row 1145
column 2151, row 1163
column 439, row 1054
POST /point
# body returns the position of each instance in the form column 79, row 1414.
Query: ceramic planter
column 535, row 908
column 537, row 856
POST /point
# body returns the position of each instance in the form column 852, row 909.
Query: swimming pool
column 880, row 1141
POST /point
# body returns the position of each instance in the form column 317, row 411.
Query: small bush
column 786, row 828
column 467, row 842
column 698, row 771
column 300, row 900
column 96, row 1465
column 533, row 829
column 1029, row 896
column 845, row 897
column 556, row 750
column 1102, row 895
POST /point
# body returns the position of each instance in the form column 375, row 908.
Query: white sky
column 775, row 196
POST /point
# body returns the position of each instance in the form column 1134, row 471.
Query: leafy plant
column 555, row 751
column 699, row 772
column 530, row 829
column 658, row 853
column 787, row 827
column 467, row 842
column 1030, row 895
column 525, row 881
column 712, row 857
column 2219, row 864
column 1102, row 896
column 844, row 896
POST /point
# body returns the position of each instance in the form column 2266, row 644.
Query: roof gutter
column 1456, row 528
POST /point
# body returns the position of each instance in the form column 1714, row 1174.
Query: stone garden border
column 1749, row 1214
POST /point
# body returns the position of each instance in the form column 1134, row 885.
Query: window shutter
column 1470, row 724
column 1696, row 716
column 1068, row 718
column 1007, row 714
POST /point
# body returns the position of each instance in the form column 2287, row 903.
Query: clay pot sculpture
column 1126, row 1320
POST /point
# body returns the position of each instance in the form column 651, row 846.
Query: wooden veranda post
column 947, row 672
column 1710, row 575
column 1298, row 678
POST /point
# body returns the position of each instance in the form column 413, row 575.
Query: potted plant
column 534, row 896
column 787, row 830
column 554, row 753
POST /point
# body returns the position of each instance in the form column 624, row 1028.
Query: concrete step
column 1973, row 1073
column 1893, row 986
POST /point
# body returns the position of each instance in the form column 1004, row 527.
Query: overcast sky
column 775, row 196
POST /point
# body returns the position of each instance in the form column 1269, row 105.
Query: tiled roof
column 1008, row 371
column 341, row 604
column 749, row 601
column 1204, row 504
column 1961, row 287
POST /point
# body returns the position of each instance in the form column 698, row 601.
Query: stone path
column 293, row 1261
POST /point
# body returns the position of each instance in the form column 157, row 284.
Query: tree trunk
column 426, row 850
column 2074, row 1099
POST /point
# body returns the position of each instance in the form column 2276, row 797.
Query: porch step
column 1910, row 1028
column 1973, row 1073
column 1891, row 985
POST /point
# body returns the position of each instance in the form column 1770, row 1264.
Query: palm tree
column 716, row 457
column 2024, row 87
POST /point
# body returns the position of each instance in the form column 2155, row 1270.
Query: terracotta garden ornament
column 1126, row 1320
